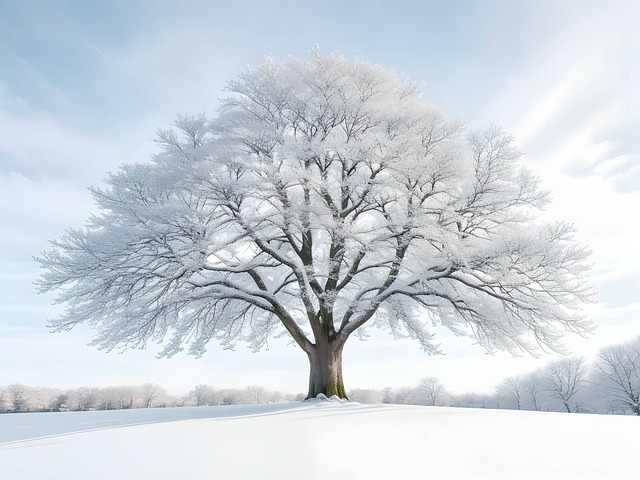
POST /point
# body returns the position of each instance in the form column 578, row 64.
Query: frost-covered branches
column 617, row 372
column 324, row 196
column 432, row 391
column 565, row 378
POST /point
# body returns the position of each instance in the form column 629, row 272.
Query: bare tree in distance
column 565, row 378
column 201, row 395
column 121, row 397
column 257, row 394
column 432, row 391
column 387, row 395
column 85, row 398
column 617, row 371
column 533, row 389
column 512, row 388
column 61, row 403
column 45, row 399
column 4, row 403
column 18, row 397
column 151, row 393
column 325, row 197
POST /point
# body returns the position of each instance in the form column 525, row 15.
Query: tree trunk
column 325, row 361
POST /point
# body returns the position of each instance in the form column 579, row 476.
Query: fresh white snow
column 318, row 440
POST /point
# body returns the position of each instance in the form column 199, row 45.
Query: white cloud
column 616, row 166
column 36, row 205
column 38, row 144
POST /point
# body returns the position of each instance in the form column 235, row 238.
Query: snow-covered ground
column 317, row 440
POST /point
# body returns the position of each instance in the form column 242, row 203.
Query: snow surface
column 317, row 440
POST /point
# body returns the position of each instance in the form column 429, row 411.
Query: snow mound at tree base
column 321, row 397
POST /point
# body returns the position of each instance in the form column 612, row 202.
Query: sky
column 84, row 86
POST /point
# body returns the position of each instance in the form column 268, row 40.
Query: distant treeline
column 611, row 384
column 22, row 398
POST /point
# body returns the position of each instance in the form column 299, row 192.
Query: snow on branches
column 325, row 195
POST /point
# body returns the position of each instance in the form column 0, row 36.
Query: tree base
column 325, row 376
column 323, row 398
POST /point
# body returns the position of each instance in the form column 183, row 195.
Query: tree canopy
column 324, row 197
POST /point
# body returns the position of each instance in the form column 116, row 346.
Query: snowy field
column 317, row 440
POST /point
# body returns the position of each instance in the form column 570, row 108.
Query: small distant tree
column 86, row 398
column 18, row 397
column 61, row 403
column 4, row 406
column 232, row 396
column 512, row 390
column 431, row 391
column 565, row 378
column 201, row 395
column 151, row 394
column 533, row 389
column 617, row 373
column 118, row 397
column 44, row 398
column 257, row 394
column 387, row 395
column 107, row 398
column 325, row 197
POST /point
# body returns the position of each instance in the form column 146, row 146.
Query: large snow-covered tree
column 324, row 197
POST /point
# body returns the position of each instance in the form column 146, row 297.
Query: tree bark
column 325, row 376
